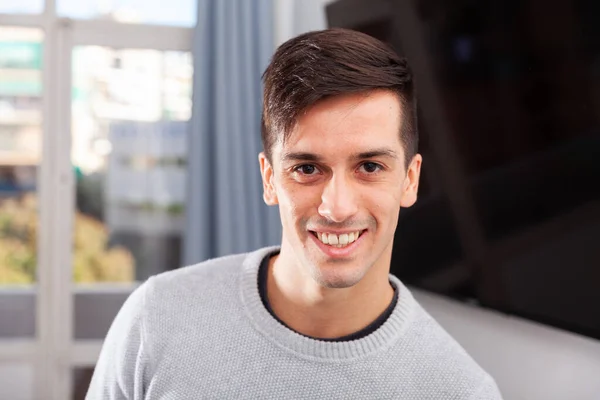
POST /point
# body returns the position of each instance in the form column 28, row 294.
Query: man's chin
column 337, row 284
column 338, row 277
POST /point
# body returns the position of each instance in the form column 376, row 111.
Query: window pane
column 20, row 150
column 130, row 119
column 175, row 12
column 22, row 6
column 16, row 381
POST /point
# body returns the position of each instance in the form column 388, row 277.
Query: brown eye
column 370, row 167
column 306, row 169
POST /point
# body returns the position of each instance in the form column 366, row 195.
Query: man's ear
column 410, row 187
column 266, row 171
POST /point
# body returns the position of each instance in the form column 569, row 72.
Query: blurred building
column 20, row 114
column 130, row 113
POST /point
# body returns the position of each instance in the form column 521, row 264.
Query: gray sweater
column 202, row 332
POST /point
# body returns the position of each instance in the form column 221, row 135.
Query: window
column 129, row 134
column 93, row 123
column 22, row 7
column 177, row 13
column 20, row 151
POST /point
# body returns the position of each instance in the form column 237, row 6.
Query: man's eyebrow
column 303, row 156
column 300, row 156
column 376, row 153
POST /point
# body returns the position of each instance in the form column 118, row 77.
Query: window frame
column 54, row 352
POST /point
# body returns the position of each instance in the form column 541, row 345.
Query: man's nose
column 338, row 201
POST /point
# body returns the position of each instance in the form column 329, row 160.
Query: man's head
column 340, row 151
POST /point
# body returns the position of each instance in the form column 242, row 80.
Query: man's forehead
column 349, row 112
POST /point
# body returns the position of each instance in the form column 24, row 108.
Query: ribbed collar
column 382, row 338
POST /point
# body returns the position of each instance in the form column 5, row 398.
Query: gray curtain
column 225, row 213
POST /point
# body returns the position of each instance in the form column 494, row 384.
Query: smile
column 337, row 240
column 338, row 245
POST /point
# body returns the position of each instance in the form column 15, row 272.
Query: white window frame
column 54, row 353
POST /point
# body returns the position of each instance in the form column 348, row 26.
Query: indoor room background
column 129, row 131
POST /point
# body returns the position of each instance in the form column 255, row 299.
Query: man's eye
column 370, row 167
column 306, row 169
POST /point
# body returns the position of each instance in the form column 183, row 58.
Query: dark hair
column 317, row 65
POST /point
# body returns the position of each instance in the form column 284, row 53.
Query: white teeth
column 333, row 239
column 338, row 241
column 324, row 238
column 344, row 239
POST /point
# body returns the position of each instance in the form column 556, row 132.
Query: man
column 319, row 317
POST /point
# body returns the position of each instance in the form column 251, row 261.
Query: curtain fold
column 225, row 213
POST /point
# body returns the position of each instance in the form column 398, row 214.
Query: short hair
column 322, row 64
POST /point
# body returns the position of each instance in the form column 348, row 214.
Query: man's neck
column 315, row 311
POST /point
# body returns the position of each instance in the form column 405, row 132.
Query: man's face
column 340, row 180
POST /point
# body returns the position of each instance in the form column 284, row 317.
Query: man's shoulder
column 209, row 282
column 214, row 268
column 189, row 287
column 444, row 357
column 173, row 301
column 209, row 271
column 438, row 343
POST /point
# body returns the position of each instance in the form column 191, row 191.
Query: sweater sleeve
column 488, row 390
column 119, row 372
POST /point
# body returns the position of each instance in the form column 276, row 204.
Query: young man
column 319, row 317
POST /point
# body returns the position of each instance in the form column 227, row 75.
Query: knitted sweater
column 202, row 332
